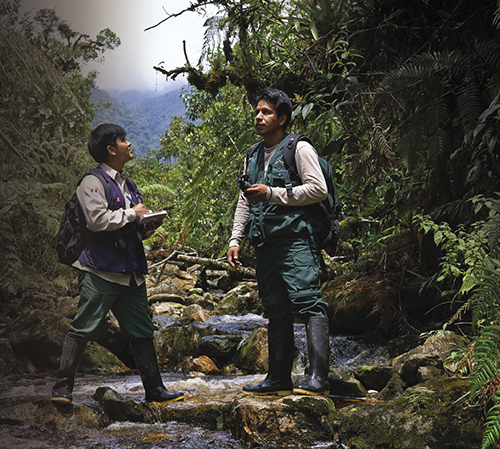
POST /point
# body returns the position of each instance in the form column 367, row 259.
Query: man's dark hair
column 279, row 100
column 102, row 136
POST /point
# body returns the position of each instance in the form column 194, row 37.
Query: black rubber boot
column 278, row 381
column 71, row 356
column 319, row 356
column 145, row 358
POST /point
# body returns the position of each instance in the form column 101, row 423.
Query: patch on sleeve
column 93, row 190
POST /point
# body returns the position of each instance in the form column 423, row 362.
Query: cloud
column 130, row 66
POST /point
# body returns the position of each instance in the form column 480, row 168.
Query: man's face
column 122, row 149
column 266, row 119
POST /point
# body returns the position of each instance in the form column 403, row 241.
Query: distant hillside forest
column 145, row 122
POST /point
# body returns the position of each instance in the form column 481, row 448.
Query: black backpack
column 329, row 209
column 72, row 235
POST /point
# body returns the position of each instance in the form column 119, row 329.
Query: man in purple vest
column 112, row 268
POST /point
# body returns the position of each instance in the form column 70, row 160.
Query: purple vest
column 101, row 252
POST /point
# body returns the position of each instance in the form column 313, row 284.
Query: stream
column 347, row 353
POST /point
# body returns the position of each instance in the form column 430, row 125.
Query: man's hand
column 232, row 256
column 140, row 210
column 256, row 194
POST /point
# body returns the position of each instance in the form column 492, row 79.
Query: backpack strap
column 289, row 159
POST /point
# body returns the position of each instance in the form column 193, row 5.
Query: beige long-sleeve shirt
column 94, row 204
column 313, row 188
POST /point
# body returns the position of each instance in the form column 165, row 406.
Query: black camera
column 243, row 182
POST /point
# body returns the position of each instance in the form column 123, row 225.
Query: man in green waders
column 283, row 232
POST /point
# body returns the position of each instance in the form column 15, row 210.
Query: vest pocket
column 277, row 179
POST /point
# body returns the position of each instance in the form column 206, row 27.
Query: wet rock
column 119, row 408
column 426, row 416
column 228, row 305
column 439, row 345
column 168, row 308
column 164, row 287
column 430, row 354
column 408, row 369
column 97, row 359
column 254, row 353
column 176, row 345
column 206, row 301
column 430, row 372
column 394, row 388
column 249, row 303
column 206, row 412
column 205, row 365
column 43, row 413
column 242, row 299
column 373, row 377
column 184, row 281
column 221, row 348
column 346, row 388
column 196, row 312
column 301, row 419
column 264, row 421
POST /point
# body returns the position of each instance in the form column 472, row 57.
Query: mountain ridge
column 145, row 121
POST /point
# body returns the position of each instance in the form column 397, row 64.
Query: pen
column 131, row 202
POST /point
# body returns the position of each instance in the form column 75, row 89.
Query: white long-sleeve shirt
column 94, row 204
column 313, row 188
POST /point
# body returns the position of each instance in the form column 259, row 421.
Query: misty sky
column 130, row 66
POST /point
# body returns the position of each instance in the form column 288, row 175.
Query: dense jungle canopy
column 401, row 97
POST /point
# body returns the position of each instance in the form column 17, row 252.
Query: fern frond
column 381, row 145
column 437, row 115
column 411, row 145
column 470, row 105
column 489, row 51
column 491, row 433
column 486, row 357
column 150, row 189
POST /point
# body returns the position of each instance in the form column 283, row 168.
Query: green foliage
column 209, row 157
column 44, row 117
column 468, row 268
column 492, row 426
column 463, row 251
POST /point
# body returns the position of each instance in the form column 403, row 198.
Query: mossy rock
column 429, row 415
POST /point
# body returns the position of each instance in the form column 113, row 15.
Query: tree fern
column 470, row 105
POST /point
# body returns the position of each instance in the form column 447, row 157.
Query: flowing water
column 346, row 354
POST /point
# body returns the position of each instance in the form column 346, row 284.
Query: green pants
column 288, row 278
column 129, row 305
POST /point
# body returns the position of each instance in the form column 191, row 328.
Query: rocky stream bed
column 383, row 395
